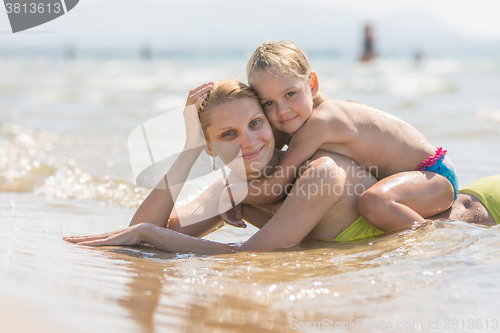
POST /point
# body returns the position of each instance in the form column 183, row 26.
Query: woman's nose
column 248, row 139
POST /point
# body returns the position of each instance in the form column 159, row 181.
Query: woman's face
column 241, row 134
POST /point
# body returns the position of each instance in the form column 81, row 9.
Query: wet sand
column 18, row 316
column 141, row 289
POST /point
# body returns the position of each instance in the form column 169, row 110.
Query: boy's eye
column 266, row 104
column 290, row 94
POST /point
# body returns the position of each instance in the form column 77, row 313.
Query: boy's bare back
column 380, row 142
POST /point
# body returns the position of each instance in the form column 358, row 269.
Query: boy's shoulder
column 336, row 104
column 347, row 104
column 325, row 108
column 323, row 117
column 332, row 110
column 341, row 109
column 350, row 101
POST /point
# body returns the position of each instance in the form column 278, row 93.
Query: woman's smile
column 252, row 154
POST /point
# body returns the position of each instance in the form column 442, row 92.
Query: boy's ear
column 314, row 83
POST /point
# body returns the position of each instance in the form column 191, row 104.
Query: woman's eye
column 290, row 94
column 226, row 134
column 266, row 104
column 255, row 122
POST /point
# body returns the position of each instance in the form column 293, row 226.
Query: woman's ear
column 314, row 83
column 209, row 151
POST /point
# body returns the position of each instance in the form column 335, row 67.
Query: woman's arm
column 298, row 215
column 161, row 238
column 158, row 205
column 199, row 217
column 181, row 239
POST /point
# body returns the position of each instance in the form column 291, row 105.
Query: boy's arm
column 280, row 139
column 305, row 142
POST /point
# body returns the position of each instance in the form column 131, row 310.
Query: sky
column 438, row 27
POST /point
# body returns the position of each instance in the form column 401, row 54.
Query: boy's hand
column 234, row 216
column 229, row 210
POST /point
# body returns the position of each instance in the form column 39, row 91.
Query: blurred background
column 73, row 89
column 117, row 28
column 110, row 65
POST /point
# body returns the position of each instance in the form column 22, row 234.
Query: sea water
column 65, row 170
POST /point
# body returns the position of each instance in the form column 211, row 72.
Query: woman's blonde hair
column 223, row 91
column 282, row 57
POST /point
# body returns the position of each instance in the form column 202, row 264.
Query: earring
column 213, row 163
column 214, row 166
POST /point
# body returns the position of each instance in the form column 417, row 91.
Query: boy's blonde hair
column 282, row 57
column 223, row 91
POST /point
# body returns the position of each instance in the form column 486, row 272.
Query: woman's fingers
column 114, row 240
column 197, row 95
column 199, row 101
column 93, row 243
column 128, row 236
column 78, row 239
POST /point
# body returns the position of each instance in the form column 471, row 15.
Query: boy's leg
column 403, row 198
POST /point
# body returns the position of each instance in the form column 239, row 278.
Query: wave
column 490, row 115
column 73, row 183
column 23, row 158
column 29, row 162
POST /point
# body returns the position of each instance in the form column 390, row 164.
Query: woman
column 320, row 205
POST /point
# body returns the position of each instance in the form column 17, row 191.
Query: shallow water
column 65, row 170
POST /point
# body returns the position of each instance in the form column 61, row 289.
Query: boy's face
column 286, row 100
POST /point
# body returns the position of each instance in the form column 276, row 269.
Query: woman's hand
column 194, row 132
column 128, row 236
column 160, row 238
column 198, row 94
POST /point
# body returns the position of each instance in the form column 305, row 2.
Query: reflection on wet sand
column 141, row 289
column 247, row 292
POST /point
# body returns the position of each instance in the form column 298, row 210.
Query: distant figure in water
column 69, row 51
column 146, row 52
column 417, row 56
column 368, row 53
